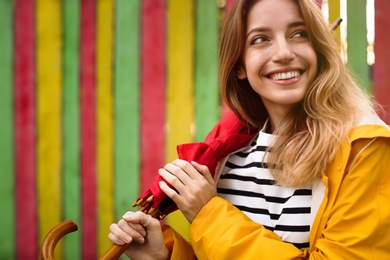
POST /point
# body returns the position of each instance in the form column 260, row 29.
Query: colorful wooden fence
column 94, row 97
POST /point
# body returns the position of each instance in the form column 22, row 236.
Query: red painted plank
column 382, row 57
column 88, row 128
column 25, row 143
column 152, row 90
column 229, row 5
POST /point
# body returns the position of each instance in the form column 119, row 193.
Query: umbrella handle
column 68, row 226
column 336, row 24
column 54, row 235
column 114, row 252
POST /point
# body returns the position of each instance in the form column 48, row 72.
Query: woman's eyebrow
column 267, row 29
column 296, row 24
column 258, row 29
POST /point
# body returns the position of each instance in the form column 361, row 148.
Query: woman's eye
column 300, row 34
column 259, row 39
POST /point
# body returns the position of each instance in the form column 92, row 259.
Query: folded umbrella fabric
column 228, row 135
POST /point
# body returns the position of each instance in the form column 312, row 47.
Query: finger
column 172, row 179
column 128, row 229
column 147, row 223
column 128, row 215
column 179, row 170
column 204, row 170
column 171, row 193
column 115, row 240
column 141, row 220
column 187, row 167
column 138, row 228
column 134, row 221
column 118, row 236
column 184, row 171
column 177, row 188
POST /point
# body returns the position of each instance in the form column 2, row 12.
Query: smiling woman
column 145, row 46
column 298, row 189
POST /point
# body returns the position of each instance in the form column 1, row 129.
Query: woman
column 314, row 183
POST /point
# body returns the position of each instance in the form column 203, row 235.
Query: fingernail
column 140, row 240
column 127, row 239
column 127, row 215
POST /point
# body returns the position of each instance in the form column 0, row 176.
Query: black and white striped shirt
column 247, row 183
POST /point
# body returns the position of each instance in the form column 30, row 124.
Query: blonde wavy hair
column 310, row 135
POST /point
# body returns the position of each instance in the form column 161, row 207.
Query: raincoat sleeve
column 221, row 231
column 245, row 237
column 177, row 245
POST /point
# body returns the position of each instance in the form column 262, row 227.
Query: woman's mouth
column 285, row 75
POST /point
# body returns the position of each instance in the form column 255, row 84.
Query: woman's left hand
column 193, row 186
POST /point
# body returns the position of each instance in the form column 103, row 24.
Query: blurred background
column 96, row 94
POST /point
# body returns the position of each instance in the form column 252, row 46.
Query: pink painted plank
column 88, row 128
column 152, row 90
column 382, row 57
column 229, row 5
column 25, row 143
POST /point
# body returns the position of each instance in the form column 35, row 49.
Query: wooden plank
column 104, row 101
column 319, row 3
column 382, row 57
column 127, row 82
column 334, row 13
column 25, row 166
column 71, row 126
column 152, row 90
column 180, row 87
column 229, row 4
column 88, row 128
column 207, row 105
column 357, row 41
column 7, row 183
column 49, row 87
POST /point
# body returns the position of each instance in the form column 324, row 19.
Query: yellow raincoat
column 352, row 221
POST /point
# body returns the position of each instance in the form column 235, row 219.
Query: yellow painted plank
column 104, row 101
column 334, row 13
column 48, row 93
column 180, row 87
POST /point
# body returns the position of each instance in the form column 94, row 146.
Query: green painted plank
column 71, row 126
column 207, row 105
column 7, row 191
column 357, row 41
column 127, row 104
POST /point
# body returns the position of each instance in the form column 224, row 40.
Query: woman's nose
column 283, row 51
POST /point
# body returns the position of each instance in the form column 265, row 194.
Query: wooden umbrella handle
column 68, row 226
column 114, row 252
column 54, row 235
column 336, row 24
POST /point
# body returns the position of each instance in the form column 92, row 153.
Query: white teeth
column 285, row 75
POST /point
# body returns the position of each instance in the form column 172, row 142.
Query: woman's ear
column 241, row 73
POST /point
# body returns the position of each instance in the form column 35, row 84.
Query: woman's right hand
column 144, row 235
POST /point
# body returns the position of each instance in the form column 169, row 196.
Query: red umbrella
column 226, row 137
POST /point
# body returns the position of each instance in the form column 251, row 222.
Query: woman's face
column 278, row 59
